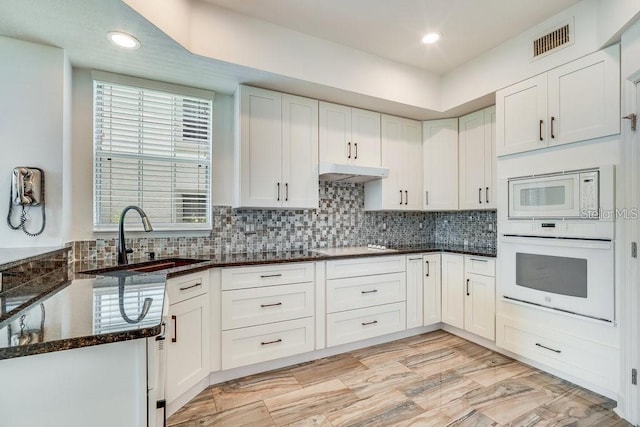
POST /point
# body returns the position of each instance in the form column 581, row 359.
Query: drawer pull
column 264, row 276
column 478, row 259
column 271, row 342
column 191, row 287
column 549, row 348
column 373, row 322
column 270, row 305
column 369, row 292
column 175, row 329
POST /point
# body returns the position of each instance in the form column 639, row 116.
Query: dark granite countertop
column 85, row 312
column 215, row 260
column 59, row 312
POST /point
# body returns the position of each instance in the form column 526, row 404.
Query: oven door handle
column 557, row 242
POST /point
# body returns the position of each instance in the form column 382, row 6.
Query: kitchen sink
column 146, row 267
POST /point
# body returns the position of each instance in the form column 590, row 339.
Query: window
column 152, row 148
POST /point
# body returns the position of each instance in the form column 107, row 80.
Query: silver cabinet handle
column 264, row 276
column 373, row 322
column 369, row 292
column 191, row 287
column 480, row 195
column 271, row 342
column 406, row 197
column 356, row 145
column 400, row 196
column 428, row 269
column 270, row 305
column 548, row 348
column 349, row 148
column 486, row 194
column 426, row 198
column 468, row 288
column 286, row 191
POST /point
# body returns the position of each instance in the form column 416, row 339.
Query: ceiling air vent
column 557, row 39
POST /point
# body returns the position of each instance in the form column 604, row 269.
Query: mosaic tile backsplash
column 340, row 220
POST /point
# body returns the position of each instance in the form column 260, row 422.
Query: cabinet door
column 471, row 138
column 335, row 133
column 440, row 161
column 187, row 345
column 365, row 137
column 260, row 146
column 584, row 98
column 490, row 159
column 414, row 291
column 432, row 293
column 392, row 192
column 453, row 290
column 412, row 168
column 299, row 152
column 522, row 116
column 480, row 305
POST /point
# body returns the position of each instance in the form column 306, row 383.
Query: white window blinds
column 151, row 149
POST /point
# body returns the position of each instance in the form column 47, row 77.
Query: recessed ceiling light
column 124, row 40
column 430, row 38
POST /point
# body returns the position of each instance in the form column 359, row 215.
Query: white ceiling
column 389, row 28
column 393, row 28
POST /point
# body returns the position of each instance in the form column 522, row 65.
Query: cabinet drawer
column 365, row 291
column 355, row 325
column 365, row 266
column 480, row 265
column 184, row 287
column 252, row 307
column 256, row 344
column 586, row 359
column 266, row 275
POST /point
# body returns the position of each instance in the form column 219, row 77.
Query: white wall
column 32, row 132
column 221, row 34
column 511, row 62
column 614, row 17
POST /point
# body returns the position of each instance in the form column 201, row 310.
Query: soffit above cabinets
column 393, row 30
column 80, row 28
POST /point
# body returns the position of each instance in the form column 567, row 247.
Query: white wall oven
column 571, row 275
column 556, row 247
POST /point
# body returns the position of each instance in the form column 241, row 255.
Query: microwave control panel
column 589, row 191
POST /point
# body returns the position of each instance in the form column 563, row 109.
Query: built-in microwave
column 563, row 195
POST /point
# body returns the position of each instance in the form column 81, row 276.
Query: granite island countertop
column 81, row 310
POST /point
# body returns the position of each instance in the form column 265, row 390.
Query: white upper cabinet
column 299, row 151
column 402, row 154
column 440, row 161
column 574, row 102
column 349, row 135
column 477, row 160
column 276, row 150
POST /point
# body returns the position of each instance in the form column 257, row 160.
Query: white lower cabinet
column 415, row 291
column 432, row 290
column 468, row 294
column 187, row 345
column 583, row 357
column 245, row 346
column 355, row 325
column 366, row 297
column 267, row 312
column 453, row 290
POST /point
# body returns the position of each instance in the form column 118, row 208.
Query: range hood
column 350, row 173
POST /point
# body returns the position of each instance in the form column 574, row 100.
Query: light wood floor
column 434, row 379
